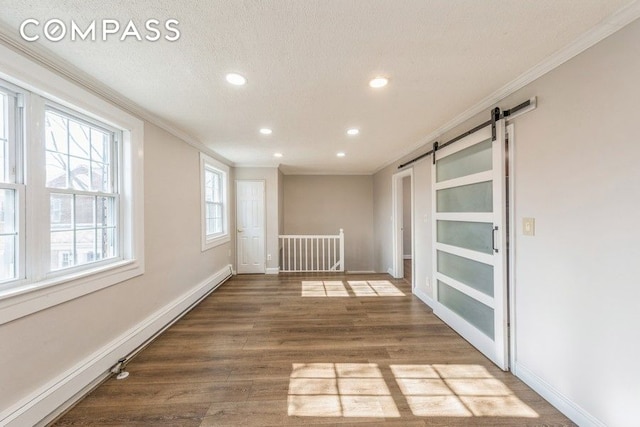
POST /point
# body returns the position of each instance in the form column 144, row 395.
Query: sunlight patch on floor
column 372, row 288
column 339, row 390
column 360, row 288
column 324, row 289
column 457, row 391
column 360, row 390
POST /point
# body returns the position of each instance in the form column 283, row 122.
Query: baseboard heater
column 119, row 367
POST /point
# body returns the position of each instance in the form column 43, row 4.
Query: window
column 215, row 206
column 11, row 189
column 81, row 168
column 71, row 179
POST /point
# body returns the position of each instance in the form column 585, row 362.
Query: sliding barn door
column 469, row 257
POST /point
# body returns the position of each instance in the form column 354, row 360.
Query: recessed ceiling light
column 341, row 154
column 266, row 131
column 277, row 154
column 236, row 79
column 353, row 131
column 378, row 82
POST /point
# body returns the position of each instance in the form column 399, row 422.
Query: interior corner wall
column 323, row 204
column 272, row 207
column 40, row 347
column 577, row 281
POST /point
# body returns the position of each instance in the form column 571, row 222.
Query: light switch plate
column 529, row 226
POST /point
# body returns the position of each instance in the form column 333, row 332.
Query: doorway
column 403, row 226
column 250, row 227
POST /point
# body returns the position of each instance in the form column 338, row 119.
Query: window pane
column 475, row 159
column 79, row 174
column 85, row 246
column 106, row 243
column 8, row 234
column 100, row 146
column 62, row 253
column 472, row 273
column 79, row 139
column 467, row 198
column 56, row 170
column 85, row 212
column 7, row 211
column 56, row 132
column 61, row 212
column 217, row 194
column 7, row 257
column 105, row 211
column 470, row 235
column 208, row 186
column 78, row 155
column 100, row 179
column 4, row 135
column 473, row 311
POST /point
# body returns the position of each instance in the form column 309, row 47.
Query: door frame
column 264, row 222
column 397, row 269
column 511, row 245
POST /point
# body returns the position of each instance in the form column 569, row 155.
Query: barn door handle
column 493, row 239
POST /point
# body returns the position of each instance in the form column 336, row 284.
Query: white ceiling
column 308, row 64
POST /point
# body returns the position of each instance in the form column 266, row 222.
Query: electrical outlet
column 529, row 226
column 268, row 257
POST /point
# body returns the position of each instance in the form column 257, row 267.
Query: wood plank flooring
column 258, row 353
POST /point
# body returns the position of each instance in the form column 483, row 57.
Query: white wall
column 578, row 280
column 39, row 347
column 272, row 209
column 322, row 204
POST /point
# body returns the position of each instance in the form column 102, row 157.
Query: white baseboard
column 272, row 270
column 424, row 298
column 576, row 413
column 406, row 256
column 59, row 394
column 360, row 272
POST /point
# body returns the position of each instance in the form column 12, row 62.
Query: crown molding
column 70, row 72
column 604, row 29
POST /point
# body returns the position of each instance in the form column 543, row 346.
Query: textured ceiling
column 308, row 63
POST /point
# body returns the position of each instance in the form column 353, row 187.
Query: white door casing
column 397, row 223
column 250, row 226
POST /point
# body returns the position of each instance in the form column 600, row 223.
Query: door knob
column 240, row 230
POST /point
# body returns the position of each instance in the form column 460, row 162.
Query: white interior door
column 469, row 257
column 250, row 226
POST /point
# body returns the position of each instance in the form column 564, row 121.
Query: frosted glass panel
column 474, row 159
column 469, row 235
column 475, row 274
column 474, row 312
column 467, row 198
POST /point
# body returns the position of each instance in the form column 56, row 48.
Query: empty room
column 319, row 212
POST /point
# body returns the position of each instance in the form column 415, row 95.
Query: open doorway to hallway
column 403, row 226
column 407, row 229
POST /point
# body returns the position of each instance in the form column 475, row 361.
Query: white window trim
column 209, row 242
column 22, row 299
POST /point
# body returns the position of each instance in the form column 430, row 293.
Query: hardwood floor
column 257, row 352
column 406, row 266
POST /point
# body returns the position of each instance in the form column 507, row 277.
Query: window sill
column 216, row 241
column 23, row 300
